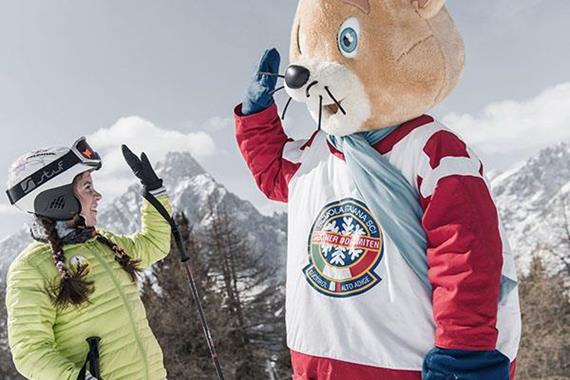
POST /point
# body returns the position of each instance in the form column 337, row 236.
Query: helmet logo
column 48, row 174
column 28, row 186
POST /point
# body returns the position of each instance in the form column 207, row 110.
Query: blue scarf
column 392, row 199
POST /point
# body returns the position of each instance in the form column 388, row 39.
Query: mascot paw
column 260, row 93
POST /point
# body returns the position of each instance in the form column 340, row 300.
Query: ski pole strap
column 164, row 213
column 92, row 360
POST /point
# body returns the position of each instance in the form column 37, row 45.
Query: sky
column 165, row 76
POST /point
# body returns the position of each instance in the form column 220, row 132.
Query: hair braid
column 72, row 288
column 129, row 265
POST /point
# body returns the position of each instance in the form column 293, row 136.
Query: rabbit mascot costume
column 397, row 266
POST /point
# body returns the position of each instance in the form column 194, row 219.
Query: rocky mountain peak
column 191, row 190
column 179, row 165
column 534, row 204
column 540, row 178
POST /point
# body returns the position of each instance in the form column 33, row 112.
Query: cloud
column 141, row 136
column 6, row 210
column 218, row 123
column 510, row 130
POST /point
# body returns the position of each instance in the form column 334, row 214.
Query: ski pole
column 94, row 368
column 92, row 360
column 193, row 288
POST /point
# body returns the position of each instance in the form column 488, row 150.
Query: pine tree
column 242, row 299
column 545, row 345
column 254, row 299
column 174, row 318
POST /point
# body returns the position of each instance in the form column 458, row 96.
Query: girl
column 77, row 282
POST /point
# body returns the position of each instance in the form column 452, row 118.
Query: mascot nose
column 296, row 76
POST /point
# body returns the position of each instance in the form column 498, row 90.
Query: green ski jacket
column 47, row 344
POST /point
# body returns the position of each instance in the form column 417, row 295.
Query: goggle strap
column 53, row 169
column 10, row 197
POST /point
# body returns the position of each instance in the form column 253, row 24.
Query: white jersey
column 350, row 294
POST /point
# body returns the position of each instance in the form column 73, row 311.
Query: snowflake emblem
column 329, row 227
column 342, row 255
column 338, row 257
column 345, row 247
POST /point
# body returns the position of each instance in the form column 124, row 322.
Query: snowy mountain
column 533, row 200
column 534, row 203
column 11, row 246
column 196, row 192
column 193, row 191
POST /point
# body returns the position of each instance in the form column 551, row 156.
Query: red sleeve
column 261, row 140
column 464, row 246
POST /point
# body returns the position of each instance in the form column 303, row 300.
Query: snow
column 533, row 201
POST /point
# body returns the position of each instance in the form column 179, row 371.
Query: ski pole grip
column 93, row 342
column 92, row 360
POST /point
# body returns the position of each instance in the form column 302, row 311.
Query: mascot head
column 370, row 64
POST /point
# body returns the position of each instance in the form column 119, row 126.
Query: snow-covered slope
column 534, row 203
column 192, row 191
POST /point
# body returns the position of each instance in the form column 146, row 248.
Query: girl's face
column 88, row 197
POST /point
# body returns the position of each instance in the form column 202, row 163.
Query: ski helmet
column 41, row 182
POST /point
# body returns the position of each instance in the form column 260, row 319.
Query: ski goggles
column 85, row 153
column 79, row 153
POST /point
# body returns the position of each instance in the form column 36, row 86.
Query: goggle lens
column 86, row 151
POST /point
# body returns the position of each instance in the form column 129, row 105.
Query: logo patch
column 345, row 246
column 79, row 264
column 28, row 185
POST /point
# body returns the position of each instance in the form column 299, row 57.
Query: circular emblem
column 79, row 264
column 345, row 246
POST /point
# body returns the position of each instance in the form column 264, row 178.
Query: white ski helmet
column 41, row 182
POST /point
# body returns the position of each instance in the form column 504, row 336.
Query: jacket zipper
column 125, row 304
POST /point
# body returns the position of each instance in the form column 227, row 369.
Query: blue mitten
column 444, row 364
column 259, row 95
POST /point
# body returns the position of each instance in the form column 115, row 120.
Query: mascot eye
column 349, row 37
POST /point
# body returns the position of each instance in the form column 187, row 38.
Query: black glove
column 142, row 169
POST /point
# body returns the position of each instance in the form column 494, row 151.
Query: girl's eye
column 349, row 37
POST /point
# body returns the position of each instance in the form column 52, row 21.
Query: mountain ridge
column 534, row 203
column 532, row 199
column 193, row 191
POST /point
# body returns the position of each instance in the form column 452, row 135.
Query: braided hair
column 73, row 287
column 132, row 267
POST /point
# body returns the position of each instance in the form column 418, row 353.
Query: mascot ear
column 428, row 8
